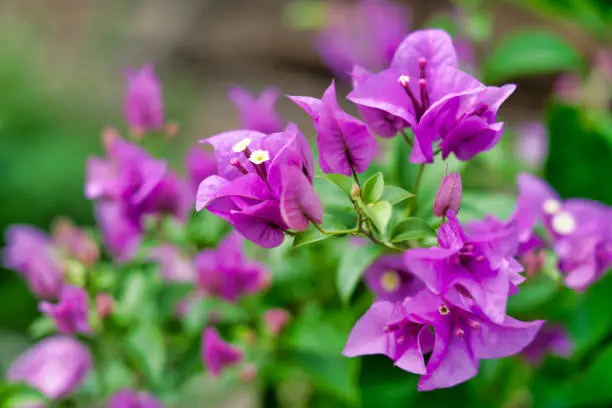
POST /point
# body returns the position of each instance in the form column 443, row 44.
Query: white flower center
column 241, row 145
column 390, row 281
column 259, row 156
column 551, row 206
column 564, row 223
column 404, row 80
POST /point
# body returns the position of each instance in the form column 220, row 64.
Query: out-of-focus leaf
column 532, row 294
column 200, row 311
column 594, row 385
column 41, row 327
column 579, row 156
column 20, row 395
column 354, row 261
column 311, row 235
column 411, row 228
column 146, row 347
column 373, row 188
column 395, row 195
column 305, row 15
column 380, row 214
column 475, row 205
column 530, row 52
column 345, row 183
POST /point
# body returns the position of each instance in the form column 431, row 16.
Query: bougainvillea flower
column 345, row 144
column 550, row 339
column 469, row 267
column 144, row 106
column 121, row 232
column 56, row 366
column 30, row 252
column 255, row 169
column 580, row 230
column 449, row 195
column 217, row 353
column 199, row 165
column 387, row 329
column 461, row 337
column 391, row 280
column 438, row 102
column 128, row 398
column 71, row 311
column 366, row 33
column 226, row 272
column 257, row 113
column 171, row 196
column 74, row 242
column 381, row 122
column 173, row 265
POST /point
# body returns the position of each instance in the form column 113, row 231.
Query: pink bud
column 449, row 195
column 533, row 261
column 248, row 373
column 105, row 304
column 75, row 242
column 276, row 320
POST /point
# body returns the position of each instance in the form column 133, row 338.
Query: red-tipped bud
column 276, row 320
column 248, row 373
column 105, row 304
column 533, row 261
column 449, row 195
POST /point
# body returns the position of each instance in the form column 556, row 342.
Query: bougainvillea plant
column 188, row 274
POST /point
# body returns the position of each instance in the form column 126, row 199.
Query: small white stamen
column 241, row 145
column 390, row 281
column 564, row 223
column 259, row 156
column 404, row 80
column 551, row 206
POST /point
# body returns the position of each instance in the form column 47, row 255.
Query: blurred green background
column 61, row 82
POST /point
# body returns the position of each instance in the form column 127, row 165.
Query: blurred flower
column 105, row 304
column 276, row 320
column 478, row 267
column 461, row 337
column 218, row 354
column 532, row 143
column 567, row 87
column 249, row 373
column 255, row 180
column 580, row 230
column 449, row 195
column 257, row 113
column 533, row 261
column 227, row 273
column 174, row 266
column 128, row 398
column 550, row 339
column 391, row 280
column 344, row 143
column 56, row 366
column 200, row 164
column 144, row 107
column 30, row 252
column 367, row 34
column 128, row 185
column 71, row 312
column 465, row 54
column 425, row 89
column 75, row 242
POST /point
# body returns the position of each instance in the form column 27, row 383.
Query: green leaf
column 373, row 188
column 533, row 294
column 595, row 384
column 20, row 395
column 380, row 214
column 41, row 327
column 354, row 261
column 411, row 228
column 146, row 347
column 475, row 205
column 530, row 52
column 312, row 234
column 345, row 183
column 395, row 195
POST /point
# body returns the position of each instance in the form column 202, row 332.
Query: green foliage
column 530, row 52
column 353, row 262
column 411, row 228
column 373, row 188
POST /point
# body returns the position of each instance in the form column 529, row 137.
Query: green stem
column 415, row 190
column 407, row 138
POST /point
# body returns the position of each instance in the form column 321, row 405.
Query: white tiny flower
column 259, row 156
column 404, row 80
column 551, row 206
column 390, row 281
column 564, row 223
column 242, row 145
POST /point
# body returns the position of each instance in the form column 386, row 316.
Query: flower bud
column 355, row 192
column 105, row 305
column 276, row 320
column 248, row 373
column 56, row 366
column 449, row 195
